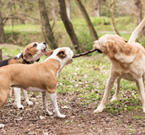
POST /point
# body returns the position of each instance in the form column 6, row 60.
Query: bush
column 86, row 42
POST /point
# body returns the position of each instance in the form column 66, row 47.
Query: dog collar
column 26, row 62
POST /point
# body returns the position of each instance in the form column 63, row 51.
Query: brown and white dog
column 31, row 53
column 128, row 62
column 37, row 77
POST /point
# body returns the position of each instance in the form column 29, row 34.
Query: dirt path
column 80, row 120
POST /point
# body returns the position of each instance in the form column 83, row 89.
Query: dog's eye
column 34, row 45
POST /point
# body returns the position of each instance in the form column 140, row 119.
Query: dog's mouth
column 99, row 51
column 43, row 50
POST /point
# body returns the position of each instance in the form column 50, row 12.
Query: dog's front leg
column 53, row 98
column 27, row 98
column 17, row 93
column 140, row 86
column 115, row 96
column 109, row 85
column 45, row 102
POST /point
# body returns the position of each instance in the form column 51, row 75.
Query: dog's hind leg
column 3, row 98
column 108, row 88
column 45, row 102
column 115, row 96
column 140, row 86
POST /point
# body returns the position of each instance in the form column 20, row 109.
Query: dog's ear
column 27, row 55
column 111, row 49
column 48, row 53
column 122, row 52
column 61, row 54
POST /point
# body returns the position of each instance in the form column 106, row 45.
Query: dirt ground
column 80, row 119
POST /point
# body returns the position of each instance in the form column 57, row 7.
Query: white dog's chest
column 34, row 89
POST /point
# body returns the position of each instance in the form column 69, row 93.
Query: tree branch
column 85, row 53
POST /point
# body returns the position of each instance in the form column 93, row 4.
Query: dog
column 128, row 62
column 31, row 53
column 37, row 77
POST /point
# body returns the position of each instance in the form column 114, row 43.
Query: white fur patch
column 65, row 61
column 34, row 89
column 39, row 53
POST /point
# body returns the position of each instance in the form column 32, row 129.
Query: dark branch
column 85, row 53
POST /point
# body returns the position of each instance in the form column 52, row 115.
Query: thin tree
column 46, row 28
column 2, row 38
column 68, row 25
column 112, row 6
column 139, row 10
column 54, row 9
column 87, row 19
column 97, row 8
column 68, row 8
column 139, row 6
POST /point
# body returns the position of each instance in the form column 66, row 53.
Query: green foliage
column 85, row 40
column 143, row 41
column 139, row 117
column 24, row 34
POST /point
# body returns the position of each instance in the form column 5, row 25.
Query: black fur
column 4, row 62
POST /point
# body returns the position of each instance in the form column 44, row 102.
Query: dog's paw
column 61, row 115
column 144, row 110
column 99, row 109
column 29, row 103
column 2, row 125
column 20, row 106
column 114, row 99
column 49, row 113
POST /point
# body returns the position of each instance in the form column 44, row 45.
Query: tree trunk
column 46, row 28
column 112, row 6
column 139, row 16
column 97, row 8
column 1, row 54
column 68, row 8
column 68, row 25
column 139, row 10
column 54, row 10
column 2, row 38
column 87, row 19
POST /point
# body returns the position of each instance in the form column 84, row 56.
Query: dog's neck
column 24, row 61
column 56, row 62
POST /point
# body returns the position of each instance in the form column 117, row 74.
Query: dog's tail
column 136, row 31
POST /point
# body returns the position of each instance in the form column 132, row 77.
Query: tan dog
column 37, row 77
column 29, row 55
column 128, row 62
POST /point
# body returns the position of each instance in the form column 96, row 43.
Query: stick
column 85, row 53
